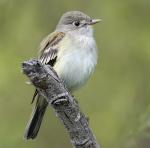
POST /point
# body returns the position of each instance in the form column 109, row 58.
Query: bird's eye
column 76, row 23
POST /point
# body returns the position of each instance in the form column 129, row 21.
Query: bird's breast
column 76, row 62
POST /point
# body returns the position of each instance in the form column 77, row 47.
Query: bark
column 45, row 79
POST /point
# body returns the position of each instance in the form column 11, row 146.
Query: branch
column 45, row 79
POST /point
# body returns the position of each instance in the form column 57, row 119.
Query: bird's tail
column 35, row 121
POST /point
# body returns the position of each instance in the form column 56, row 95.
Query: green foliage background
column 117, row 97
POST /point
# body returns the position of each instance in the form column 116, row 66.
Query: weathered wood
column 45, row 79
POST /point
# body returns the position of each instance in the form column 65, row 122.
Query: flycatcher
column 71, row 50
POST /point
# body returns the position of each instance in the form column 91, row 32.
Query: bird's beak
column 94, row 21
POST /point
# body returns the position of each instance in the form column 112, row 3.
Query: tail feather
column 37, row 115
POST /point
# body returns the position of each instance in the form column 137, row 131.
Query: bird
column 72, row 51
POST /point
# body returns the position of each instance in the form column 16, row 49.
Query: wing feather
column 49, row 48
column 48, row 51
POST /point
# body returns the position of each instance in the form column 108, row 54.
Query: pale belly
column 75, row 68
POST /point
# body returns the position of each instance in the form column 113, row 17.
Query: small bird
column 71, row 50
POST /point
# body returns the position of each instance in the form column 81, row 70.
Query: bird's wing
column 48, row 51
column 49, row 48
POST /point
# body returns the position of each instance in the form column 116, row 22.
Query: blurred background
column 116, row 98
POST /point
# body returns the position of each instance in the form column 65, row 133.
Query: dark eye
column 76, row 23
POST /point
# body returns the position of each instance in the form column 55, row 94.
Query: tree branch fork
column 46, row 81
